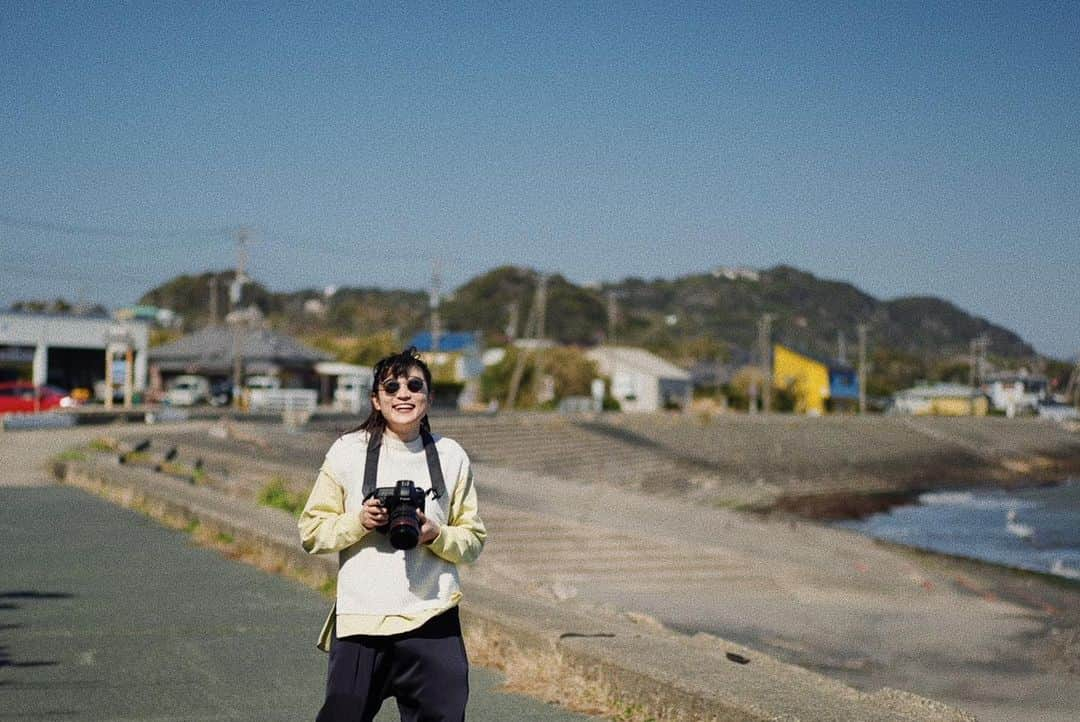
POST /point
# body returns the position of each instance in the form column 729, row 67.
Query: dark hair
column 394, row 365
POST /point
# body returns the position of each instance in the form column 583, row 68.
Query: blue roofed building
column 454, row 358
column 449, row 342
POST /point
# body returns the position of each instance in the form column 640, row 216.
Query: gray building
column 210, row 352
column 68, row 350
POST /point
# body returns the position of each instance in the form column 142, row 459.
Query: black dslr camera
column 401, row 502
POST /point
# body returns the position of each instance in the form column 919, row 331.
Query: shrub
column 276, row 494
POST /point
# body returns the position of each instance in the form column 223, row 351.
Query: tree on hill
column 190, row 297
column 484, row 303
column 575, row 315
column 366, row 311
column 920, row 323
column 58, row 305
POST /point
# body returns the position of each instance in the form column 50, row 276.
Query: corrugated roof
column 213, row 346
column 638, row 359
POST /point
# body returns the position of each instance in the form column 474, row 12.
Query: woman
column 394, row 631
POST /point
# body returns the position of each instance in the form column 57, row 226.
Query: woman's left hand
column 429, row 528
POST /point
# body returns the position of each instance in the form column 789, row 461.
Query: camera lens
column 404, row 531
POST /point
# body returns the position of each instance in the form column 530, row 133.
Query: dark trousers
column 425, row 670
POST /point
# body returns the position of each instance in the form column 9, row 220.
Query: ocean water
column 1036, row 529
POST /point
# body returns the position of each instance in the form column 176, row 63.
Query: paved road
column 104, row 615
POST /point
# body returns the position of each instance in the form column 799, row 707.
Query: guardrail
column 295, row 405
column 281, row 400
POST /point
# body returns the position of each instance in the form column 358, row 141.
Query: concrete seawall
column 700, row 677
column 818, row 467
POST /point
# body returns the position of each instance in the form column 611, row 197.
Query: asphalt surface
column 105, row 615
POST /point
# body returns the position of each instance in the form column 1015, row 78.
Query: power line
column 74, row 275
column 102, row 232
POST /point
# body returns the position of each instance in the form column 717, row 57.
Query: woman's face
column 403, row 407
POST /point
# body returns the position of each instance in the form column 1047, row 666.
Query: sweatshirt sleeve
column 324, row 524
column 462, row 539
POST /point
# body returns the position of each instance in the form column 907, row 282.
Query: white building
column 1015, row 391
column 69, row 351
column 735, row 273
column 348, row 385
column 642, row 381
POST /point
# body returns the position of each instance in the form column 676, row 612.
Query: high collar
column 392, row 442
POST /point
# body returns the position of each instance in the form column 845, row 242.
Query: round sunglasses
column 414, row 384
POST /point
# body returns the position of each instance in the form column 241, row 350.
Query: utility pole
column 433, row 303
column 612, row 316
column 977, row 358
column 512, row 311
column 1072, row 389
column 532, row 324
column 765, row 350
column 235, row 294
column 984, row 344
column 971, row 376
column 213, row 299
column 862, row 368
column 541, row 304
column 841, row 347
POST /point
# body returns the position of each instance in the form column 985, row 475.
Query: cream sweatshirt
column 382, row 590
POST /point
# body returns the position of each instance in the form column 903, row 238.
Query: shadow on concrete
column 6, row 661
column 28, row 594
column 21, row 594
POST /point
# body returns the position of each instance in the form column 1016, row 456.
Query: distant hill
column 348, row 311
column 702, row 316
column 809, row 313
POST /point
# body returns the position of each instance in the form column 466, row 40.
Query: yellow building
column 807, row 379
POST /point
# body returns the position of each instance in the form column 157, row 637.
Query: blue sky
column 909, row 148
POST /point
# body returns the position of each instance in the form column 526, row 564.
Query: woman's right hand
column 372, row 514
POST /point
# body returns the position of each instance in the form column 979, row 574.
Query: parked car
column 1057, row 411
column 23, row 396
column 353, row 394
column 187, row 391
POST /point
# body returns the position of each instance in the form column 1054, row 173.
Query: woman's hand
column 429, row 528
column 372, row 514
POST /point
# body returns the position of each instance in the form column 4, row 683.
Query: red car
column 24, row 396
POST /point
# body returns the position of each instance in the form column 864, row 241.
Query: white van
column 187, row 391
column 262, row 382
column 353, row 393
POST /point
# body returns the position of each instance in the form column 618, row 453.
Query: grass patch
column 103, row 444
column 276, row 494
column 224, row 538
column 71, row 455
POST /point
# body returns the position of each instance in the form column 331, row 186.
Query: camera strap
column 371, row 465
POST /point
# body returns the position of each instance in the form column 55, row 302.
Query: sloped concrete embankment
column 819, row 467
column 669, row 675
